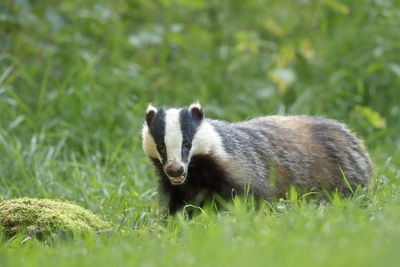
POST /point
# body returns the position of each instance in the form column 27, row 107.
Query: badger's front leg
column 171, row 195
column 175, row 203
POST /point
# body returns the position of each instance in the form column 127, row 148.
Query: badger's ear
column 196, row 110
column 150, row 113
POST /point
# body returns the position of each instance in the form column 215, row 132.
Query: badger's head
column 169, row 136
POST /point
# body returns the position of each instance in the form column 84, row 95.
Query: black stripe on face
column 157, row 130
column 189, row 124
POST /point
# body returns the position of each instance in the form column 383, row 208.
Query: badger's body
column 196, row 156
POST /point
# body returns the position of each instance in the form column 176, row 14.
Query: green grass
column 76, row 76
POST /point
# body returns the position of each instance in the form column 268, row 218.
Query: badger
column 264, row 156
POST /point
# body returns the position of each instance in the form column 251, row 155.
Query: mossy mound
column 41, row 217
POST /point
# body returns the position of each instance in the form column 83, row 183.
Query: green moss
column 45, row 216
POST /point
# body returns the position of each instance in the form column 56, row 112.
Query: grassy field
column 76, row 76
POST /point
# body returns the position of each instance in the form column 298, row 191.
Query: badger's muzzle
column 175, row 173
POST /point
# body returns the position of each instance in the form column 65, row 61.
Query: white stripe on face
column 173, row 136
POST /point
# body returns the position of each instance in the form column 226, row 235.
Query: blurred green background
column 76, row 76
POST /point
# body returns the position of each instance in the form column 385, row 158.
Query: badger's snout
column 175, row 173
column 174, row 170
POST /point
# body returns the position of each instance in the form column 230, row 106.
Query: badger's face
column 168, row 136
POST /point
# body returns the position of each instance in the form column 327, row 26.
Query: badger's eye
column 186, row 144
column 161, row 149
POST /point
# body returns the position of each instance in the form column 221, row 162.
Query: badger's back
column 307, row 152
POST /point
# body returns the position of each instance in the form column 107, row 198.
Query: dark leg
column 175, row 203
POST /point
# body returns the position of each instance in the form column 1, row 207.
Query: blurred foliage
column 240, row 58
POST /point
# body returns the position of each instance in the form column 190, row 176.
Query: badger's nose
column 174, row 170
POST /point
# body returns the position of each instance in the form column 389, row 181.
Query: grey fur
column 302, row 151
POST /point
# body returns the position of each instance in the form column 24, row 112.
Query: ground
column 76, row 77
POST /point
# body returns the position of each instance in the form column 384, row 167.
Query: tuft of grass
column 345, row 180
